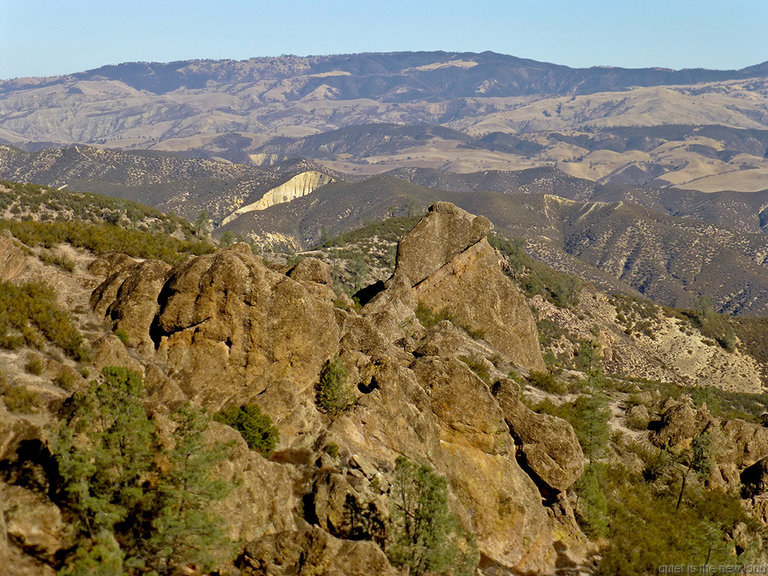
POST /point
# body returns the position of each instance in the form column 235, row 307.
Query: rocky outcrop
column 12, row 258
column 311, row 551
column 315, row 276
column 225, row 329
column 446, row 232
column 31, row 522
column 452, row 269
column 298, row 186
column 738, row 449
column 110, row 263
column 547, row 445
column 134, row 306
column 475, row 448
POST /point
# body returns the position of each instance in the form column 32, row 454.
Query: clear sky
column 51, row 37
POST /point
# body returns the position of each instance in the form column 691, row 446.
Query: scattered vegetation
column 536, row 277
column 30, row 316
column 141, row 505
column 59, row 260
column 547, row 382
column 35, row 202
column 102, row 238
column 391, row 230
column 478, row 366
column 423, row 533
column 428, row 318
column 19, row 399
column 636, row 315
column 334, row 394
column 255, row 427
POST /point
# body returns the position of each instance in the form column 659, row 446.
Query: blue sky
column 51, row 37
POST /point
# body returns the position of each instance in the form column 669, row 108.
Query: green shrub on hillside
column 334, row 394
column 547, row 382
column 29, row 316
column 102, row 238
column 536, row 277
column 255, row 427
column 423, row 534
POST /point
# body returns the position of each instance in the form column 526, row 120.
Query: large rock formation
column 223, row 328
column 547, row 445
column 452, row 269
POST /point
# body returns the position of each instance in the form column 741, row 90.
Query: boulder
column 681, row 421
column 262, row 500
column 230, row 330
column 107, row 264
column 135, row 304
column 445, row 232
column 12, row 257
column 31, row 522
column 312, row 270
column 547, row 445
column 109, row 350
column 453, row 270
column 310, row 551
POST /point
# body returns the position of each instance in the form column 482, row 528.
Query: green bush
column 535, row 277
column 334, row 394
column 20, row 400
column 255, row 427
column 29, row 316
column 546, row 382
column 588, row 355
column 592, row 503
column 67, row 379
column 34, row 364
column 423, row 534
column 477, row 365
column 122, row 335
column 132, row 495
column 589, row 416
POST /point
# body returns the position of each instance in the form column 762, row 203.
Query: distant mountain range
column 371, row 113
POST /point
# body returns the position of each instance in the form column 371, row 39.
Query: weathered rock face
column 739, row 448
column 681, row 421
column 225, row 329
column 262, row 501
column 453, row 269
column 315, row 276
column 547, row 444
column 12, row 258
column 310, row 551
column 134, row 306
column 311, row 270
column 446, row 232
column 31, row 521
column 511, row 525
column 109, row 263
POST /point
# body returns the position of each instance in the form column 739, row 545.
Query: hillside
column 513, row 414
column 369, row 113
column 186, row 186
column 619, row 246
